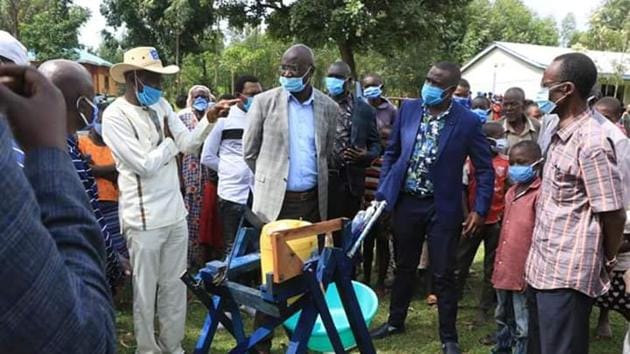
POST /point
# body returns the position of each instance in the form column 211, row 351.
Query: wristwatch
column 611, row 263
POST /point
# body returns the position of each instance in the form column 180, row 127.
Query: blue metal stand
column 212, row 285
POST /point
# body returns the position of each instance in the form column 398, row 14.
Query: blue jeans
column 512, row 320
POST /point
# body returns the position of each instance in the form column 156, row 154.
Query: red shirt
column 500, row 163
column 516, row 238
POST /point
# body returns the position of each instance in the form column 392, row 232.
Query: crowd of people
column 99, row 191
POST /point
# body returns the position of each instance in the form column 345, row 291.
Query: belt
column 301, row 196
column 417, row 195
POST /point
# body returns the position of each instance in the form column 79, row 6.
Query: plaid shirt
column 580, row 180
column 55, row 297
column 424, row 153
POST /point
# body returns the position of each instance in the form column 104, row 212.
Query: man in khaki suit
column 289, row 138
column 290, row 135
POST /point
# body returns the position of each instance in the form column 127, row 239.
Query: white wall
column 496, row 72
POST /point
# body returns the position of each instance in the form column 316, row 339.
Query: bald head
column 70, row 77
column 340, row 69
column 75, row 82
column 371, row 80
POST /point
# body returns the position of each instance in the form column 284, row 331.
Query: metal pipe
column 366, row 229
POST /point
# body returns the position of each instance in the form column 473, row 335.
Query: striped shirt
column 112, row 266
column 580, row 180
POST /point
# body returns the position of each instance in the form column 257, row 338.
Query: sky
column 90, row 33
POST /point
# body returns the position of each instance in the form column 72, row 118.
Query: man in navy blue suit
column 421, row 180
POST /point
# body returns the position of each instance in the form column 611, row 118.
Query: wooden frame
column 286, row 263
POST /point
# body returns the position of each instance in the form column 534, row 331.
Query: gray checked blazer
column 266, row 148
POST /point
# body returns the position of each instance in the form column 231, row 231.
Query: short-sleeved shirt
column 500, row 164
column 424, row 154
column 516, row 237
column 530, row 132
column 385, row 115
column 101, row 156
column 580, row 180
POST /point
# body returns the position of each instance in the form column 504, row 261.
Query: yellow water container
column 303, row 247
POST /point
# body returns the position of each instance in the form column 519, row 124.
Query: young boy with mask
column 489, row 234
column 516, row 237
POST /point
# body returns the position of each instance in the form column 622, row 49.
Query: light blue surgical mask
column 482, row 114
column 294, row 84
column 432, row 95
column 500, row 145
column 546, row 105
column 200, row 104
column 87, row 123
column 148, row 95
column 372, row 92
column 522, row 173
column 98, row 128
column 464, row 101
column 248, row 103
column 335, row 86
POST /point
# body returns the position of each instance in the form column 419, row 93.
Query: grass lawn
column 421, row 335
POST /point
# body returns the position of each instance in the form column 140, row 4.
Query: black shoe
column 451, row 348
column 386, row 330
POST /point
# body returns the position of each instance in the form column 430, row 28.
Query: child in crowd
column 516, row 236
column 489, row 234
column 481, row 107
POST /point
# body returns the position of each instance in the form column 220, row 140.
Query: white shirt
column 223, row 152
column 150, row 195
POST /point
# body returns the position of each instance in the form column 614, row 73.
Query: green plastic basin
column 319, row 338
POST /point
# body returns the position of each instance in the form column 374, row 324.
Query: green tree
column 15, row 12
column 503, row 20
column 53, row 33
column 609, row 27
column 352, row 26
column 568, row 30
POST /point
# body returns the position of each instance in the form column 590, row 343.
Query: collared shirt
column 530, row 131
column 516, row 237
column 580, row 180
column 223, row 152
column 112, row 266
column 343, row 131
column 385, row 115
column 500, row 164
column 302, row 148
column 424, row 153
column 148, row 181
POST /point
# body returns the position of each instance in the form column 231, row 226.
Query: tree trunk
column 347, row 55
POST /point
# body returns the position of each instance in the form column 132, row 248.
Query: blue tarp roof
column 85, row 57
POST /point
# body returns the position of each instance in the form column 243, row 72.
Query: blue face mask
column 546, row 105
column 248, row 103
column 92, row 121
column 522, row 173
column 499, row 146
column 372, row 92
column 335, row 86
column 293, row 84
column 432, row 95
column 464, row 101
column 482, row 114
column 200, row 104
column 98, row 128
column 148, row 96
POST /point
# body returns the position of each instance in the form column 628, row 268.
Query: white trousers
column 158, row 258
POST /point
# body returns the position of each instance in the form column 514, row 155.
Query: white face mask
column 546, row 105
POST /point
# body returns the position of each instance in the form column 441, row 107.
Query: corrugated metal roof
column 85, row 57
column 540, row 56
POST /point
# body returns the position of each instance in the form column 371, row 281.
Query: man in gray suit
column 290, row 135
column 289, row 138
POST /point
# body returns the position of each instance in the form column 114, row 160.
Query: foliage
column 503, row 20
column 353, row 26
column 15, row 12
column 609, row 27
column 53, row 32
column 568, row 30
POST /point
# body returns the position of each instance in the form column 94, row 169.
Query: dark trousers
column 341, row 201
column 379, row 236
column 303, row 206
column 412, row 219
column 467, row 249
column 563, row 316
column 231, row 214
column 533, row 331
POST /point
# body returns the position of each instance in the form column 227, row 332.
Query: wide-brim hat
column 141, row 58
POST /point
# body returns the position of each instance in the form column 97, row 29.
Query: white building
column 503, row 65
